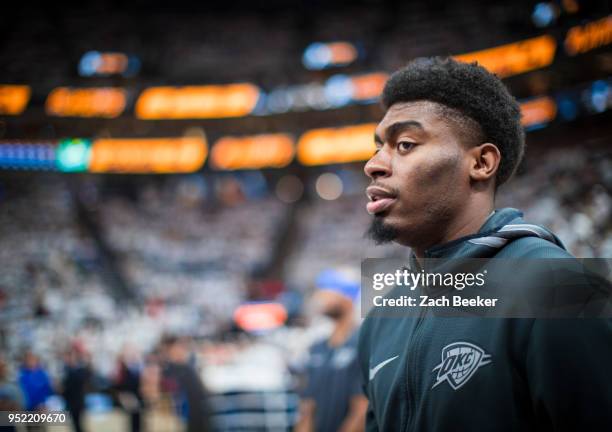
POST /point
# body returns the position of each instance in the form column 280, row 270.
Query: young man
column 451, row 135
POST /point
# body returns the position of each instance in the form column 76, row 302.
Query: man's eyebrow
column 397, row 127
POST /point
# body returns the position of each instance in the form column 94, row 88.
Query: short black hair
column 471, row 90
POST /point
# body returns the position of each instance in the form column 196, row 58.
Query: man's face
column 178, row 352
column 419, row 175
column 31, row 361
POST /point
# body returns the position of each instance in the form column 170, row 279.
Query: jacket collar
column 457, row 247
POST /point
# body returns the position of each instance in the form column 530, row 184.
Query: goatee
column 380, row 232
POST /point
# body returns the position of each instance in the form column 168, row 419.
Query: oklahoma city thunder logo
column 460, row 361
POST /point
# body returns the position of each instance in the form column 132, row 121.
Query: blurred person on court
column 180, row 376
column 76, row 382
column 34, row 382
column 332, row 399
column 127, row 386
column 150, row 379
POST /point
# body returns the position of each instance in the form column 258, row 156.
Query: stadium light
column 329, row 186
column 318, row 55
column 95, row 63
column 544, row 14
column 14, row 99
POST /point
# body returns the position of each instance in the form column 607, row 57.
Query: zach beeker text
column 427, row 301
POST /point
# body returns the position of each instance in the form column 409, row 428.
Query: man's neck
column 466, row 224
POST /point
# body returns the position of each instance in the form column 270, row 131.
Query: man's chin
column 381, row 232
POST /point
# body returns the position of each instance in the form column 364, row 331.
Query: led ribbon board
column 148, row 155
column 73, row 154
column 581, row 39
column 337, row 145
column 192, row 102
column 253, row 152
column 515, row 58
column 538, row 111
column 106, row 102
column 27, row 155
column 368, row 87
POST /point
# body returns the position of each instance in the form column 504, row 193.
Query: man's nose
column 378, row 166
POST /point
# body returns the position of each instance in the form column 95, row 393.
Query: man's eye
column 405, row 145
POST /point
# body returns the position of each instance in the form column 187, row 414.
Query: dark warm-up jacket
column 489, row 374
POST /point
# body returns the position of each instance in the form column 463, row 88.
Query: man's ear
column 484, row 161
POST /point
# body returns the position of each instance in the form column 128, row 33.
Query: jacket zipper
column 411, row 378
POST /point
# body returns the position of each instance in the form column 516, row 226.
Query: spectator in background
column 127, row 386
column 183, row 378
column 150, row 379
column 333, row 399
column 76, row 383
column 11, row 397
column 34, row 382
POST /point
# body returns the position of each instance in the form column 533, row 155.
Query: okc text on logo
column 460, row 361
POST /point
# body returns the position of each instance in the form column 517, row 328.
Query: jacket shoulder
column 532, row 247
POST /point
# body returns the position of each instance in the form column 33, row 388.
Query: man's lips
column 380, row 199
column 380, row 205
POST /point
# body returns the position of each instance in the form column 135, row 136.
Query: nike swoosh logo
column 379, row 366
